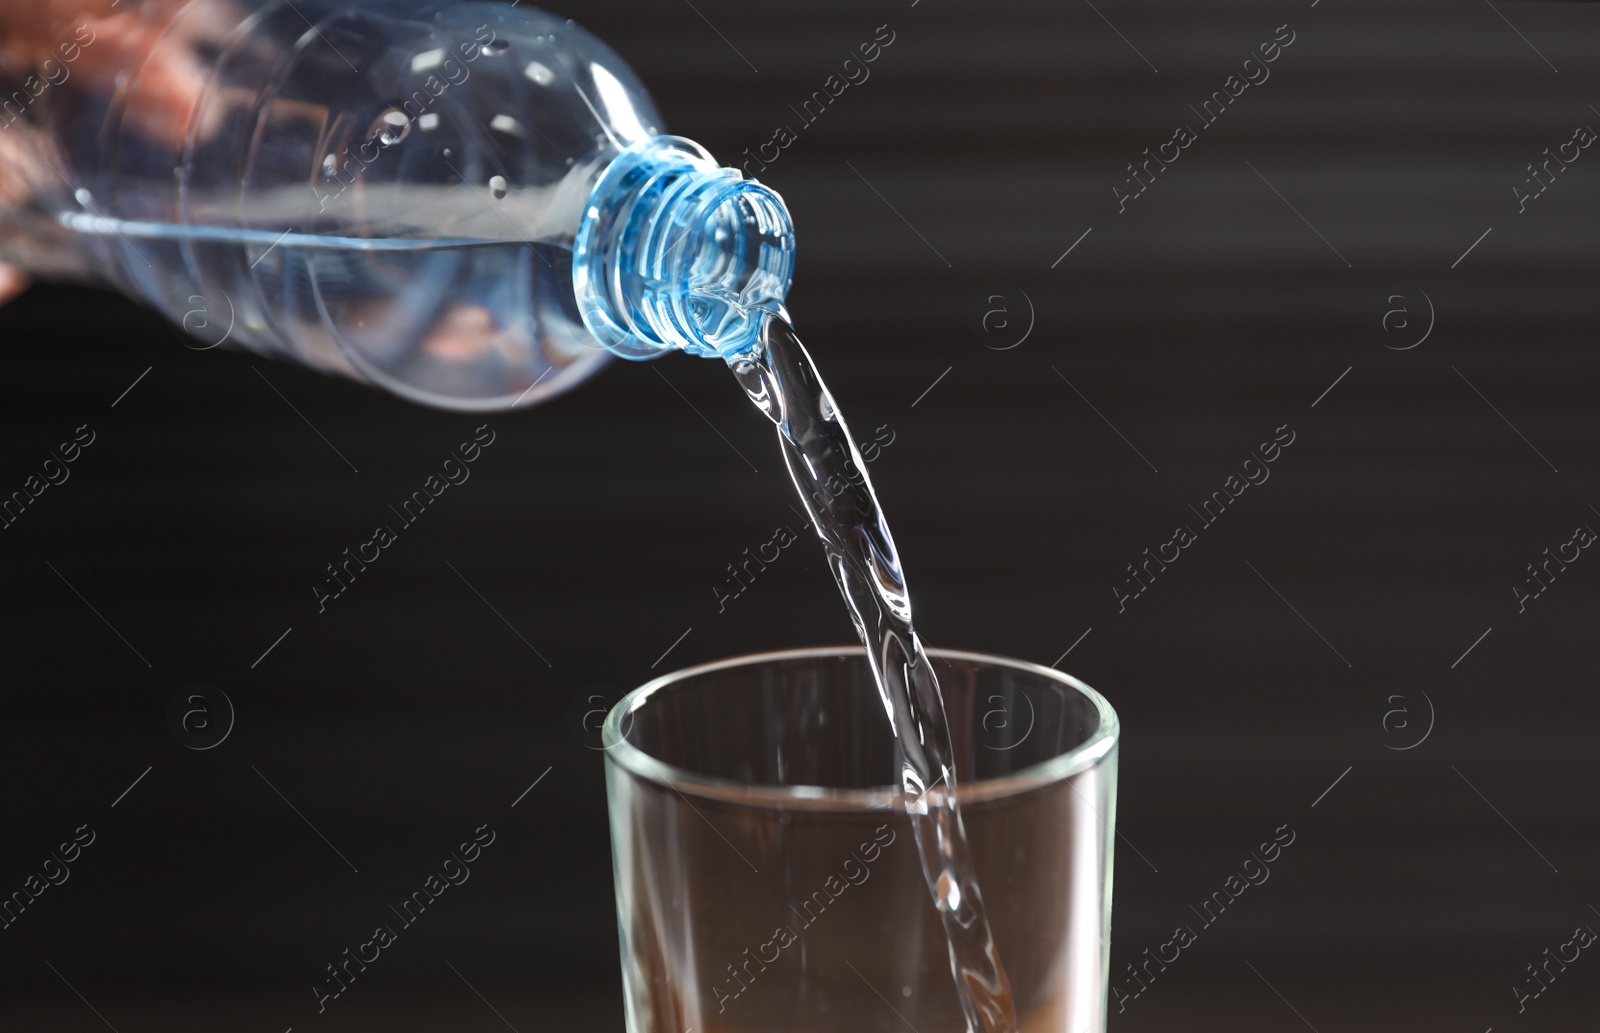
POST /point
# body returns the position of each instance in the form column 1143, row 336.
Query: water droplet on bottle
column 949, row 892
column 506, row 124
column 497, row 187
column 83, row 197
column 393, row 127
column 330, row 165
column 494, row 47
column 828, row 411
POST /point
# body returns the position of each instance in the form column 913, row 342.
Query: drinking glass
column 767, row 877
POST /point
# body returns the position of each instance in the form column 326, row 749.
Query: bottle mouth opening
column 677, row 253
column 733, row 264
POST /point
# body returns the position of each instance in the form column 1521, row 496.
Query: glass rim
column 1095, row 748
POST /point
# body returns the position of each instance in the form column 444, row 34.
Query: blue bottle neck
column 676, row 252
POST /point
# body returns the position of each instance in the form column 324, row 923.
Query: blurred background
column 1062, row 360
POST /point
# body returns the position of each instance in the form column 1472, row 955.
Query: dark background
column 1253, row 673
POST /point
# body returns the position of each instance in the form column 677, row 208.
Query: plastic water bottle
column 469, row 204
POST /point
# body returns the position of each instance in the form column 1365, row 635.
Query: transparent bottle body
column 767, row 875
column 388, row 189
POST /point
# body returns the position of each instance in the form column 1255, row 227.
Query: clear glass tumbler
column 767, row 879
